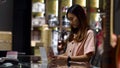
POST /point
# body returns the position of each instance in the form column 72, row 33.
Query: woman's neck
column 74, row 36
column 75, row 30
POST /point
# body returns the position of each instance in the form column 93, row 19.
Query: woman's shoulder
column 90, row 31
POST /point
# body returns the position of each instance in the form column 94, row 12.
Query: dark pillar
column 22, row 26
column 117, row 17
column 108, row 57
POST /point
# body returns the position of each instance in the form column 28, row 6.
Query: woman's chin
column 74, row 26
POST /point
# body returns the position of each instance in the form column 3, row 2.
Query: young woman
column 81, row 42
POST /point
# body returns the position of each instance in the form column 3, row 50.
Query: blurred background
column 26, row 25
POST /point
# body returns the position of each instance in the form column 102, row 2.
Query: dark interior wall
column 6, row 18
column 117, row 17
column 6, row 15
column 22, row 25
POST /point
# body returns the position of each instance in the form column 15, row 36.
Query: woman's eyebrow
column 70, row 17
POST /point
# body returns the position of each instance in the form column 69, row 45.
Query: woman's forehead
column 70, row 15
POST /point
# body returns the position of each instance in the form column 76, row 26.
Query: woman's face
column 74, row 22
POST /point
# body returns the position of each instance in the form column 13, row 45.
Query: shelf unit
column 59, row 8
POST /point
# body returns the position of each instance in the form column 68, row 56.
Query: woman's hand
column 55, row 58
column 59, row 58
column 62, row 57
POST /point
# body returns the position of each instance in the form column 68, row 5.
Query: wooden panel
column 118, row 52
column 108, row 59
column 5, row 41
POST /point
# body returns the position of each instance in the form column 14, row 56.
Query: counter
column 41, row 64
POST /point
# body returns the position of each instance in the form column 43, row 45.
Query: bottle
column 66, row 22
column 52, row 22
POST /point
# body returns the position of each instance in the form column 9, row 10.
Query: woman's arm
column 81, row 58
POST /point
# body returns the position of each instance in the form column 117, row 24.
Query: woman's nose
column 70, row 22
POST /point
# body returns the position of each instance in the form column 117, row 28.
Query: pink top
column 80, row 48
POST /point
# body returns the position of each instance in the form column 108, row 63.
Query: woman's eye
column 71, row 19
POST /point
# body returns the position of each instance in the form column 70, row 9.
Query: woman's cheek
column 113, row 40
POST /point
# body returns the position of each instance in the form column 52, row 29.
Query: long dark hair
column 79, row 12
